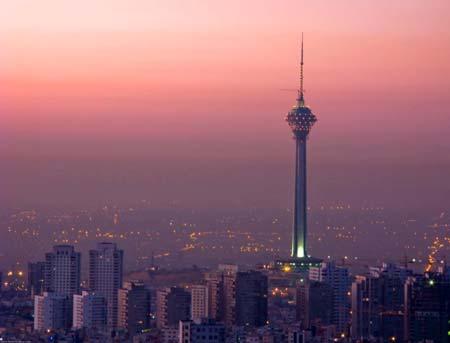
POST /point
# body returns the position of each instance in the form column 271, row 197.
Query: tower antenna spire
column 301, row 97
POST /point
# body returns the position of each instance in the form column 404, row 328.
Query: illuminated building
column 300, row 119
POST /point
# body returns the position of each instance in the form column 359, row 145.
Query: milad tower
column 300, row 119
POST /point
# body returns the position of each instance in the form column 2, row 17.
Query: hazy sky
column 183, row 101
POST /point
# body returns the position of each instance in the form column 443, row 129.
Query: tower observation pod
column 300, row 120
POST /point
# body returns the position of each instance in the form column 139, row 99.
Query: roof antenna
column 300, row 95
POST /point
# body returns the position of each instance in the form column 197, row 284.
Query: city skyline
column 152, row 191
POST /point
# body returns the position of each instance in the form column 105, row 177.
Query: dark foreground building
column 314, row 303
column 427, row 309
column 251, row 298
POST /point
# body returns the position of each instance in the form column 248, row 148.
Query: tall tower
column 300, row 119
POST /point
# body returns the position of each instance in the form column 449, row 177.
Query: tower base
column 297, row 264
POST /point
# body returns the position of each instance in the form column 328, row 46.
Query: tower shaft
column 299, row 230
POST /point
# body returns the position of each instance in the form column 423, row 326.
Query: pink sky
column 93, row 78
column 96, row 69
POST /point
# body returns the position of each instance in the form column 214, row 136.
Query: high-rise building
column 427, row 309
column 221, row 286
column 134, row 307
column 89, row 311
column 199, row 302
column 366, row 309
column 300, row 119
column 237, row 298
column 62, row 271
column 377, row 301
column 172, row 305
column 201, row 331
column 228, row 301
column 214, row 283
column 251, row 289
column 314, row 303
column 52, row 312
column 340, row 281
column 36, row 278
column 105, row 276
column 392, row 279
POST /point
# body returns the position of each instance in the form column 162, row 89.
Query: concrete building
column 214, row 284
column 89, row 311
column 377, row 301
column 314, row 303
column 199, row 302
column 237, row 298
column 366, row 307
column 51, row 312
column 201, row 331
column 251, row 289
column 228, row 301
column 172, row 305
column 106, row 276
column 340, row 281
column 134, row 307
column 36, row 278
column 62, row 271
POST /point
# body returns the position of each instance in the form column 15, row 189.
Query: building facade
column 36, row 278
column 52, row 312
column 201, row 331
column 89, row 311
column 62, row 271
column 199, row 302
column 106, row 276
column 134, row 307
column 251, row 289
column 427, row 309
column 314, row 303
column 338, row 278
column 172, row 305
